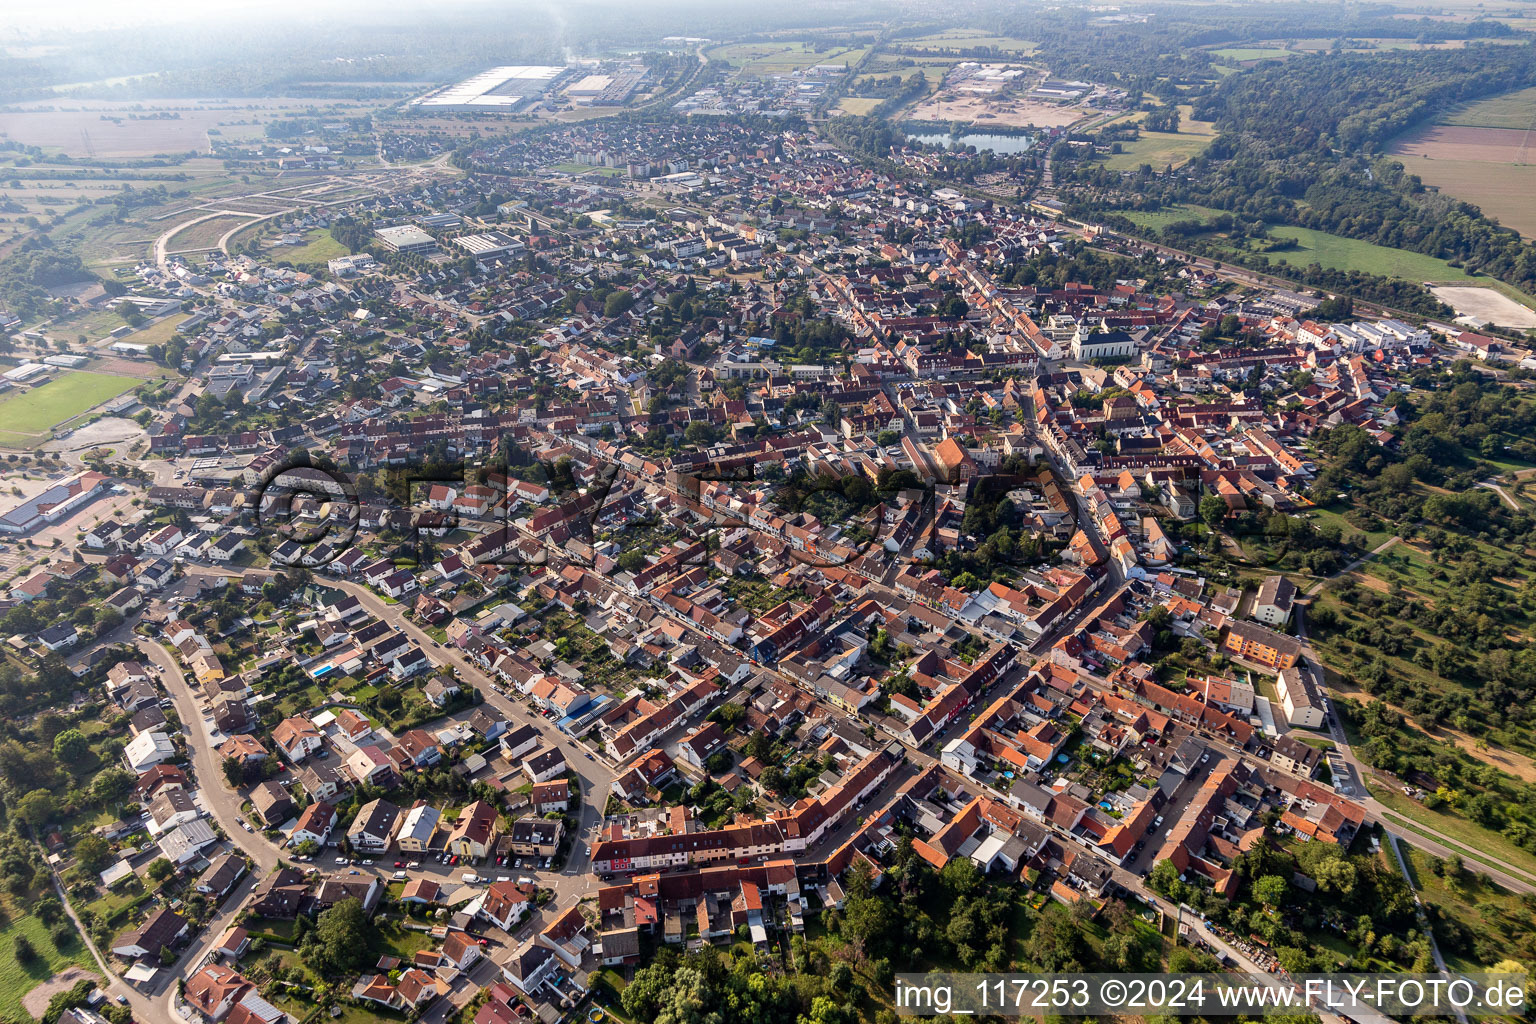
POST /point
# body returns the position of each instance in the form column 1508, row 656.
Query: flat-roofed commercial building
column 504, row 88
column 405, row 238
column 490, row 245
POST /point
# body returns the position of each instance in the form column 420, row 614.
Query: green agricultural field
column 17, row 979
column 784, row 58
column 965, row 39
column 30, row 414
column 1510, row 110
column 1242, row 53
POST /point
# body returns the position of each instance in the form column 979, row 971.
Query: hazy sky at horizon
column 22, row 17
column 32, row 15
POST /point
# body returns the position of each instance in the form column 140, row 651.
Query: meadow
column 1159, row 219
column 1341, row 253
column 1163, row 148
column 858, row 104
column 17, row 979
column 318, row 247
column 109, row 239
column 159, row 332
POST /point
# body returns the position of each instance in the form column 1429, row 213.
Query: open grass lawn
column 17, row 979
column 159, row 332
column 32, row 413
column 299, row 1006
column 318, row 247
column 575, row 168
column 1371, row 538
column 608, row 986
column 402, row 942
column 1160, row 149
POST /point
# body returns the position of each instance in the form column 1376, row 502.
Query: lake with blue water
column 1006, row 145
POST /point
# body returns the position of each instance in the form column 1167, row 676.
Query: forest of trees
column 28, row 273
column 1301, row 143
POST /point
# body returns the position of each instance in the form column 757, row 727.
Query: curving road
column 594, row 775
column 222, row 802
column 1425, row 837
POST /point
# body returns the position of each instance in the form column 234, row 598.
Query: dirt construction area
column 35, row 1002
column 1486, row 305
column 1003, row 111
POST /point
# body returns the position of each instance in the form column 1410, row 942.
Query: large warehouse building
column 505, row 89
column 491, row 245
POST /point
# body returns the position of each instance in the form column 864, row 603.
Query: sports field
column 25, row 415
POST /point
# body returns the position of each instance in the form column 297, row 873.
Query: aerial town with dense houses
column 632, row 564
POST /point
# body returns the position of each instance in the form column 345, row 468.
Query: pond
column 1006, row 145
